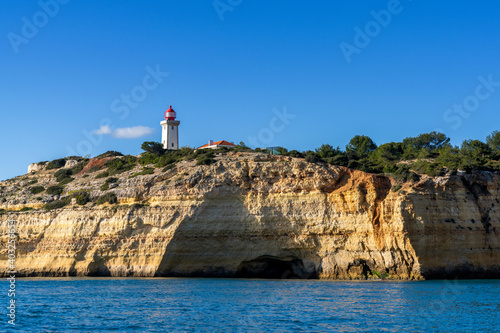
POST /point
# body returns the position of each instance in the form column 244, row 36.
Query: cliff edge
column 252, row 215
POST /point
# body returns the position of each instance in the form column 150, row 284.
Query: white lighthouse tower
column 170, row 130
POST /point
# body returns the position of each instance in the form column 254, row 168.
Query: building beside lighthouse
column 218, row 144
column 170, row 130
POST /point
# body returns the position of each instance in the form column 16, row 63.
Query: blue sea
column 232, row 305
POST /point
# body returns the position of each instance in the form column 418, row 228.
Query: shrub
column 25, row 209
column 66, row 181
column 204, row 156
column 431, row 169
column 168, row 167
column 109, row 153
column 77, row 168
column 295, row 153
column 312, row 158
column 63, row 176
column 82, row 197
column 223, row 150
column 105, row 186
column 119, row 165
column 149, row 158
column 108, row 197
column 183, row 152
column 37, row 189
column 197, row 153
column 56, row 204
column 145, row 171
column 56, row 164
column 205, row 160
column 402, row 173
column 76, row 158
column 94, row 168
column 166, row 160
column 281, row 151
column 242, row 147
column 54, row 190
column 63, row 173
column 102, row 175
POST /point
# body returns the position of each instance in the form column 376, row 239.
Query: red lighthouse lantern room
column 170, row 114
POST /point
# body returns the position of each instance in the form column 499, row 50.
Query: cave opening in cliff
column 272, row 267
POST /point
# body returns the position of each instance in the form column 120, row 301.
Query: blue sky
column 263, row 72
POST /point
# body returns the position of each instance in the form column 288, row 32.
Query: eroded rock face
column 257, row 216
column 70, row 163
column 35, row 167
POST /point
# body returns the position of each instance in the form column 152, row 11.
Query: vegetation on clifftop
column 77, row 180
column 429, row 153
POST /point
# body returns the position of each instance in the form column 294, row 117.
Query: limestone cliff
column 253, row 215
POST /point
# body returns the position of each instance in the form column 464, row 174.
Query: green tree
column 449, row 157
column 388, row 153
column 152, row 147
column 360, row 146
column 311, row 158
column 493, row 140
column 474, row 154
column 282, row 150
column 424, row 145
column 326, row 151
column 295, row 153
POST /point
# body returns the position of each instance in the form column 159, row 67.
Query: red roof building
column 216, row 145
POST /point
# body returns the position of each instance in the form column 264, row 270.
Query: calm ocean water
column 194, row 305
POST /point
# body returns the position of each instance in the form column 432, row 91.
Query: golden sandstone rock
column 253, row 215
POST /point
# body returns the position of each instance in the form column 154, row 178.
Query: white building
column 170, row 130
column 216, row 145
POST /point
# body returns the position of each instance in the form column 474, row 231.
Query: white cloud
column 103, row 130
column 125, row 132
column 132, row 132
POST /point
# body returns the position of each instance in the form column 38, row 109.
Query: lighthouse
column 170, row 130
